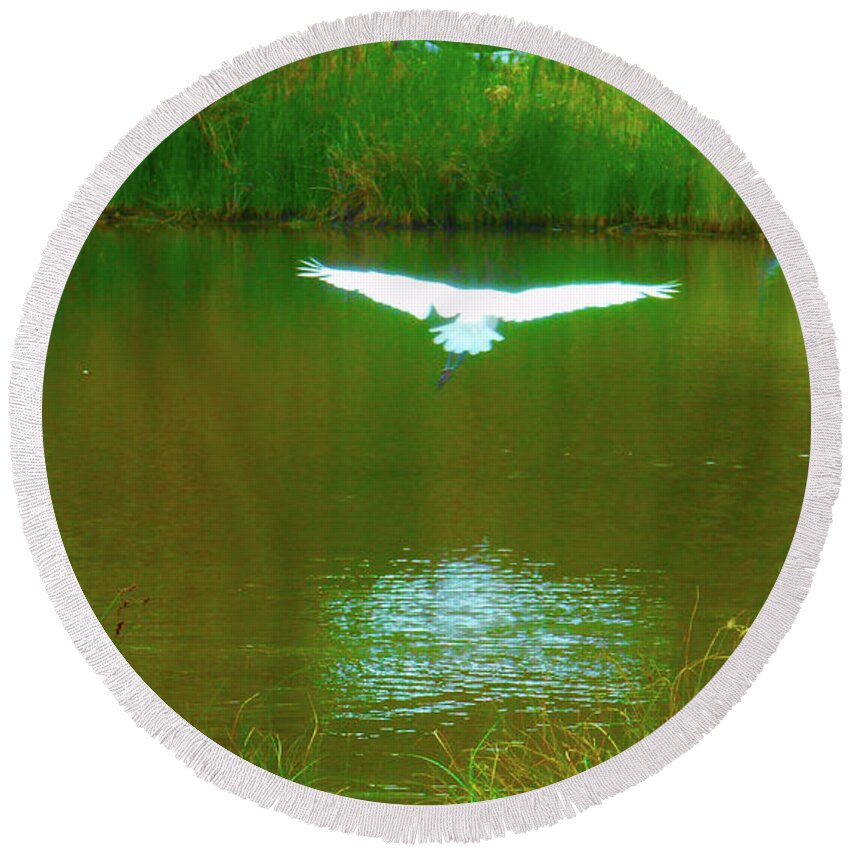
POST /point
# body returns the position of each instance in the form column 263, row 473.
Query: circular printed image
column 426, row 422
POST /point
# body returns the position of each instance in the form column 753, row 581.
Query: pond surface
column 260, row 467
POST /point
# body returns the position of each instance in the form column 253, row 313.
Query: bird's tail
column 471, row 337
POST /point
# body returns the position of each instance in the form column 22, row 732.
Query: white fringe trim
column 409, row 823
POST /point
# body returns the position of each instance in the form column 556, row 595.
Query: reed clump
column 509, row 760
column 410, row 134
column 295, row 759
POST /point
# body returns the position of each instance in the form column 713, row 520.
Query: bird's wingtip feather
column 666, row 290
column 310, row 267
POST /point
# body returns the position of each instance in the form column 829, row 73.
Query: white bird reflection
column 478, row 311
column 482, row 626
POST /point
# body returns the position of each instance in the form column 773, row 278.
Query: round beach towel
column 419, row 424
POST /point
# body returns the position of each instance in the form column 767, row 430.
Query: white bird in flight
column 477, row 311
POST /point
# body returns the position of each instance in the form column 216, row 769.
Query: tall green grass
column 510, row 760
column 295, row 759
column 396, row 135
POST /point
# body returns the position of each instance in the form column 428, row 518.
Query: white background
column 77, row 77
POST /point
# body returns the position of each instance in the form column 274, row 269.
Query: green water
column 304, row 517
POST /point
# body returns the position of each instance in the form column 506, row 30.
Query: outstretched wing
column 412, row 295
column 418, row 297
column 539, row 302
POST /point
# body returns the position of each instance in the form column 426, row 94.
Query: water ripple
column 444, row 635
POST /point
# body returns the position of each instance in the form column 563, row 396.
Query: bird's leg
column 447, row 372
column 449, row 369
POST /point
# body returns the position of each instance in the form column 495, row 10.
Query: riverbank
column 406, row 135
column 142, row 219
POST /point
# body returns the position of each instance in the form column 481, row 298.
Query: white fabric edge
column 395, row 822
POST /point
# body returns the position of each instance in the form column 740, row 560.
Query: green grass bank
column 412, row 134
